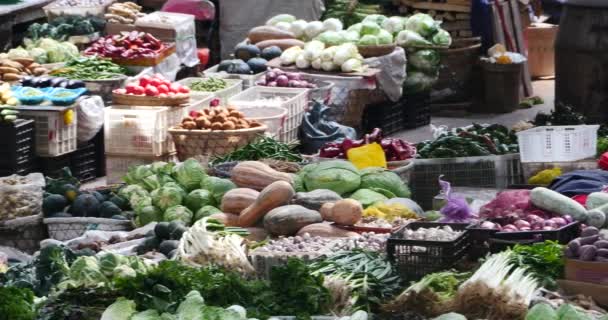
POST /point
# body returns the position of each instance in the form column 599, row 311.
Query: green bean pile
column 264, row 148
column 90, row 68
column 208, row 85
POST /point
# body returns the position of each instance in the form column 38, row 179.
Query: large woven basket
column 64, row 229
column 23, row 233
column 191, row 143
column 132, row 100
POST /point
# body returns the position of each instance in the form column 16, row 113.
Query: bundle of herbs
column 544, row 260
column 358, row 280
column 432, row 296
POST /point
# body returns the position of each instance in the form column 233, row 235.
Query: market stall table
column 15, row 14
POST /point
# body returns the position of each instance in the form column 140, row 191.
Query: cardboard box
column 587, row 271
column 117, row 28
column 599, row 293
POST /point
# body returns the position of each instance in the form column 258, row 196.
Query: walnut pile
column 218, row 118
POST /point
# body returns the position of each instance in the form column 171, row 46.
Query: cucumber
column 596, row 200
column 555, row 202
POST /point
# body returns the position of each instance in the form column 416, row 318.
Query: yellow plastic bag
column 389, row 212
column 370, row 155
column 545, row 177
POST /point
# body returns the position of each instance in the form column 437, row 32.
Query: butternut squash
column 287, row 220
column 256, row 175
column 326, row 230
column 236, row 200
column 315, row 199
column 277, row 194
column 263, row 33
column 284, row 44
column 345, row 212
column 228, row 219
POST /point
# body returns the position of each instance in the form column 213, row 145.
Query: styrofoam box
column 53, row 10
column 249, row 80
column 118, row 165
column 296, row 101
column 557, row 143
column 233, row 87
column 53, row 136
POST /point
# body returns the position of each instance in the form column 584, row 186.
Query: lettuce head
column 179, row 213
column 122, row 309
column 189, row 174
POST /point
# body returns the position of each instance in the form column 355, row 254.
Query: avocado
column 177, row 229
column 119, row 217
column 162, row 230
column 86, row 205
column 108, row 209
column 69, row 191
column 246, row 51
column 53, row 203
column 120, row 202
column 167, row 246
column 60, row 215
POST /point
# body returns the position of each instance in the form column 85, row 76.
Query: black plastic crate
column 83, row 162
column 416, row 110
column 500, row 241
column 52, row 166
column 17, row 147
column 416, row 258
column 387, row 116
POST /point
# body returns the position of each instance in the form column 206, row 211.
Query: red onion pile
column 529, row 223
column 280, row 78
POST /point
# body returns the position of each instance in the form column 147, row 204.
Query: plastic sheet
column 317, row 129
column 21, row 196
column 393, row 72
column 90, row 117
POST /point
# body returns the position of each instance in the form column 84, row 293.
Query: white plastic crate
column 54, row 137
column 557, row 143
column 140, row 131
column 233, row 87
column 118, row 165
column 296, row 101
column 249, row 80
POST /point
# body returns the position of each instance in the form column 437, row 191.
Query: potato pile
column 218, row 118
column 12, row 69
column 124, row 13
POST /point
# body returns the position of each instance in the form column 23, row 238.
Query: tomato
column 159, row 76
column 155, row 82
column 120, row 91
column 195, row 114
column 151, row 91
column 203, row 56
column 130, row 88
column 162, row 89
column 139, row 90
column 167, row 83
column 144, row 81
column 163, row 95
column 183, row 89
column 175, row 87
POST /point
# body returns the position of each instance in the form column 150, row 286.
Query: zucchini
column 596, row 200
column 552, row 201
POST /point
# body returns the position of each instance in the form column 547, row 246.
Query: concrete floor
column 542, row 88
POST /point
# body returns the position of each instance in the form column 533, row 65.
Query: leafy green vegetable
column 122, row 309
column 189, row 174
column 336, row 175
column 218, row 187
column 384, row 179
column 190, row 308
column 16, row 304
column 602, row 145
column 544, row 260
column 180, row 213
column 368, row 197
column 542, row 311
column 198, row 198
column 146, row 315
column 167, row 197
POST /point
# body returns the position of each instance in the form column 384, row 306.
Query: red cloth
column 581, row 198
column 603, row 162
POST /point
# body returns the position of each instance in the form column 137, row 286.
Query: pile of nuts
column 217, row 118
column 124, row 13
column 12, row 69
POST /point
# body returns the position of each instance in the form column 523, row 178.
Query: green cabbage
column 419, row 81
column 18, row 53
column 198, row 199
column 442, row 38
column 393, row 24
column 70, row 49
column 110, row 261
column 146, row 315
column 137, row 174
column 176, row 186
column 85, row 271
column 191, row 307
column 161, row 167
column 369, row 28
column 568, row 312
column 331, row 38
column 336, row 175
column 368, row 197
column 375, row 18
column 368, row 40
column 148, row 214
column 381, row 178
column 39, row 55
column 355, row 27
column 151, row 182
column 124, row 272
column 350, row 36
column 218, row 187
column 205, row 212
column 280, row 18
column 541, row 311
column 422, row 24
column 179, row 213
column 122, row 309
column 167, row 197
column 384, row 37
column 424, row 60
column 408, row 38
column 189, row 174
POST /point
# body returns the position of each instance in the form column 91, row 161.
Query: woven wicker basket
column 131, row 100
column 23, row 233
column 191, row 143
column 376, row 51
column 223, row 170
column 64, row 229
